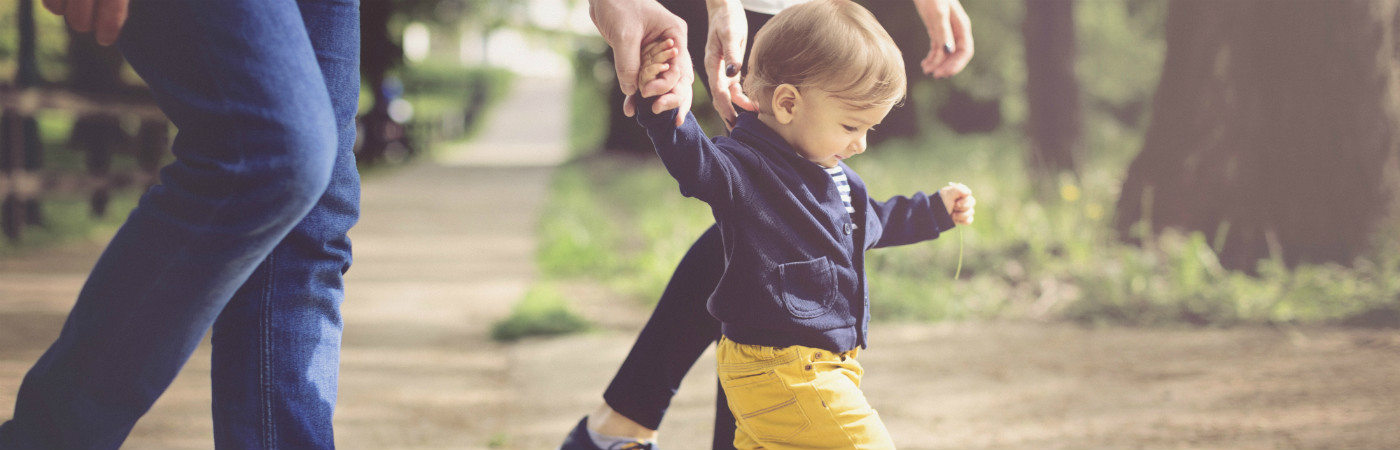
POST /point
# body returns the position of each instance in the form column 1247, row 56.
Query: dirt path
column 445, row 248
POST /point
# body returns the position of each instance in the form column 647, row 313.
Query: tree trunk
column 1056, row 120
column 1273, row 129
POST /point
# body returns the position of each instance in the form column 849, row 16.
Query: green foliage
column 68, row 219
column 543, row 312
column 1178, row 279
column 443, row 92
column 588, row 100
column 619, row 220
column 998, row 67
column 1030, row 255
column 1043, row 252
column 51, row 42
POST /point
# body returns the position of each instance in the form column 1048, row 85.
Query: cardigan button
column 848, row 228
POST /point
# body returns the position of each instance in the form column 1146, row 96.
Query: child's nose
column 859, row 146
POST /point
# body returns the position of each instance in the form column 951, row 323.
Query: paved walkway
column 445, row 248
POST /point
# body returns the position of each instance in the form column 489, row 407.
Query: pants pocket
column 765, row 407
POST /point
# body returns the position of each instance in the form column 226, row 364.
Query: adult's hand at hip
column 106, row 17
column 724, row 58
column 627, row 25
column 949, row 35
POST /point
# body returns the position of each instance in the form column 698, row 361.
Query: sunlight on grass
column 543, row 312
column 1029, row 255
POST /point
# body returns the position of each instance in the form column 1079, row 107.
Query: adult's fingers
column 629, row 105
column 684, row 84
column 961, row 27
column 719, row 88
column 682, row 97
column 725, row 109
column 935, row 15
column 626, row 64
column 737, row 97
column 938, row 44
column 79, row 15
column 111, row 15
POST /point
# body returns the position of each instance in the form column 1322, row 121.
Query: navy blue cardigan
column 793, row 275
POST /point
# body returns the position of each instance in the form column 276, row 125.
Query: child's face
column 826, row 130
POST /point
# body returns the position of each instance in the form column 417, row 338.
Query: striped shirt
column 842, row 186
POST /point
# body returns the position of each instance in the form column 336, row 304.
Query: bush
column 543, row 312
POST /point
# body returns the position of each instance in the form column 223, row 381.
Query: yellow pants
column 797, row 398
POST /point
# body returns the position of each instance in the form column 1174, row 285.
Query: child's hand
column 656, row 59
column 958, row 199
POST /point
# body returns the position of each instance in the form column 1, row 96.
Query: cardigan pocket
column 809, row 287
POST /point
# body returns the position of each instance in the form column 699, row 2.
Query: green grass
column 68, row 219
column 543, row 312
column 618, row 220
column 1034, row 253
column 451, row 102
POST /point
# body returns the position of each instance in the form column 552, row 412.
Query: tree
column 1273, row 130
column 1056, row 120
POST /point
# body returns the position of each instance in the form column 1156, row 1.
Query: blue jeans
column 245, row 234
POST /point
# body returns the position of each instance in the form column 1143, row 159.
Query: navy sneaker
column 578, row 439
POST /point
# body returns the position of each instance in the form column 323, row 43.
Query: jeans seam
column 812, row 377
column 265, row 374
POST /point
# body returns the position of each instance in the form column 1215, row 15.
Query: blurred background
column 1167, row 164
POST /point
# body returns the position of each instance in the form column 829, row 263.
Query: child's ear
column 786, row 101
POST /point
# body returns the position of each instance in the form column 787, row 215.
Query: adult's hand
column 724, row 58
column 949, row 36
column 104, row 16
column 627, row 25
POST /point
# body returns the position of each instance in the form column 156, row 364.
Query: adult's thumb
column 626, row 64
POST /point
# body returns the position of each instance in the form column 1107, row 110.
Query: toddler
column 796, row 221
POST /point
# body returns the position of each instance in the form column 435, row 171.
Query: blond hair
column 833, row 45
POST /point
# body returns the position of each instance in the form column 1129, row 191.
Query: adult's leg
column 277, row 343
column 254, row 154
column 680, row 328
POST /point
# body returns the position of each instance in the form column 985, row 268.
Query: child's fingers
column 964, row 218
column 659, row 51
column 654, row 47
column 652, row 70
column 662, row 56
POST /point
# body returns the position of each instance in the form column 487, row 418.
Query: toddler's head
column 823, row 74
column 836, row 46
